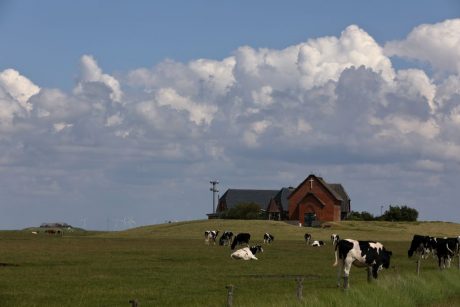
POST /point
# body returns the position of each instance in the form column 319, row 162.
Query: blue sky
column 124, row 35
column 113, row 111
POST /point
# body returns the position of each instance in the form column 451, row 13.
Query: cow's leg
column 339, row 273
column 346, row 271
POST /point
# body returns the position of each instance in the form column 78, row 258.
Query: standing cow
column 368, row 254
column 241, row 238
column 421, row 245
column 226, row 238
column 210, row 236
column 446, row 249
column 307, row 238
column 268, row 238
column 334, row 239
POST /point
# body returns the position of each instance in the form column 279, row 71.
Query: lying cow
column 268, row 238
column 368, row 254
column 241, row 238
column 334, row 239
column 210, row 236
column 317, row 243
column 421, row 245
column 247, row 253
column 307, row 238
column 226, row 238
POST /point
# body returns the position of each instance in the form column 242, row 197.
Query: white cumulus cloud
column 437, row 44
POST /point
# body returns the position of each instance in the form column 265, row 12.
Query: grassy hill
column 362, row 230
column 169, row 265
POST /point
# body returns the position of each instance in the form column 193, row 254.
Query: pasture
column 169, row 265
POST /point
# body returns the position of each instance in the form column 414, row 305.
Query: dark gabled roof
column 282, row 197
column 330, row 189
column 273, row 206
column 345, row 207
column 233, row 197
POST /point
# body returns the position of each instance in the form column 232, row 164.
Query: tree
column 360, row 216
column 243, row 211
column 403, row 213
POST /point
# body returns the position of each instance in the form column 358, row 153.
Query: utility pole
column 214, row 190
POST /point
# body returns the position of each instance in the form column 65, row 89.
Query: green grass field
column 169, row 265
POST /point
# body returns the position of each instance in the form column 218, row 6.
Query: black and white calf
column 210, row 236
column 268, row 238
column 318, row 243
column 241, row 238
column 334, row 238
column 226, row 238
column 307, row 238
column 421, row 245
column 247, row 253
column 368, row 254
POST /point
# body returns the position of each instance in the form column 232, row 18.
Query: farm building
column 313, row 201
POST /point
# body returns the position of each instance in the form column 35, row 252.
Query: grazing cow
column 268, row 238
column 226, row 238
column 318, row 243
column 334, row 238
column 368, row 254
column 240, row 239
column 307, row 238
column 35, row 232
column 446, row 248
column 210, row 236
column 422, row 245
column 247, row 253
column 50, row 231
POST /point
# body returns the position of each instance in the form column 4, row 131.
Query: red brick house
column 315, row 201
column 312, row 202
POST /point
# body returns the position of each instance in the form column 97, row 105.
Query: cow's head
column 256, row 249
column 386, row 255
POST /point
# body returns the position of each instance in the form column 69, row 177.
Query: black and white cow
column 307, row 238
column 446, row 249
column 317, row 243
column 210, row 236
column 421, row 245
column 226, row 238
column 334, row 238
column 241, row 238
column 268, row 238
column 368, row 254
column 247, row 253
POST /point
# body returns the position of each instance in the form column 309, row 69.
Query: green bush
column 403, row 213
column 360, row 216
column 243, row 211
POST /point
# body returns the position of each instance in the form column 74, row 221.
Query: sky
column 116, row 114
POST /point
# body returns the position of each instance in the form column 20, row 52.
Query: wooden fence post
column 299, row 287
column 229, row 295
column 418, row 266
column 134, row 303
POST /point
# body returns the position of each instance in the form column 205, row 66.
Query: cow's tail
column 336, row 255
column 450, row 251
